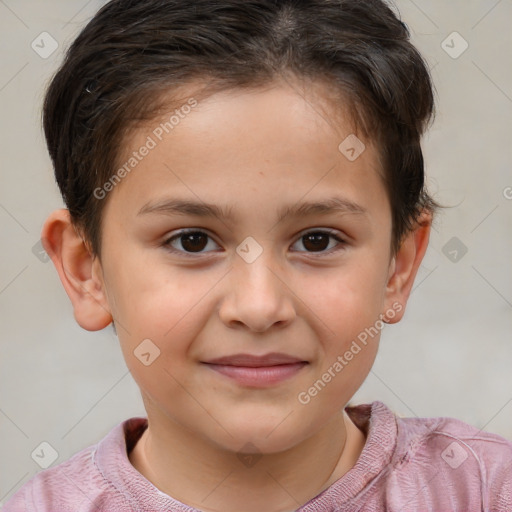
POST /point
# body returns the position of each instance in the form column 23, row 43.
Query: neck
column 201, row 475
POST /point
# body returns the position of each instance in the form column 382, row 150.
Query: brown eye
column 191, row 242
column 319, row 242
column 194, row 242
column 316, row 241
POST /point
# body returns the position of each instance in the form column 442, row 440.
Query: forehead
column 286, row 139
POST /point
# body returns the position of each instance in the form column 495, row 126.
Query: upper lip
column 250, row 360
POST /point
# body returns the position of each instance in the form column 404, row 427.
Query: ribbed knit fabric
column 407, row 464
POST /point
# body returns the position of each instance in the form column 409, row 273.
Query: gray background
column 451, row 356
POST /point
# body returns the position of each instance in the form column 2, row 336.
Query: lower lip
column 261, row 376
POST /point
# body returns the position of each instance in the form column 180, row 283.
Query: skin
column 253, row 151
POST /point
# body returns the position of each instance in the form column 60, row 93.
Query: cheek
column 166, row 305
column 349, row 333
column 155, row 298
column 347, row 299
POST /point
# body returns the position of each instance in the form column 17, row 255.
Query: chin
column 262, row 437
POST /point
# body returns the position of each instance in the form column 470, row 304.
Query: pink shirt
column 407, row 464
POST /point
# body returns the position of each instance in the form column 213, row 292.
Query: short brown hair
column 132, row 51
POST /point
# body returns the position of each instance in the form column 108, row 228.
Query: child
column 260, row 128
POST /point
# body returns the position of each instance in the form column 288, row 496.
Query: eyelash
column 330, row 233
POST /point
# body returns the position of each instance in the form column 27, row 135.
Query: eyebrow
column 201, row 209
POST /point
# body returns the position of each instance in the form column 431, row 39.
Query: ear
column 404, row 267
column 81, row 275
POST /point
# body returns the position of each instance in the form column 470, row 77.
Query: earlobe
column 404, row 267
column 78, row 271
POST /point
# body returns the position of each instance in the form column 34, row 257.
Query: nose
column 258, row 296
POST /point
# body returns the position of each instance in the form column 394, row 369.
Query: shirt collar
column 376, row 420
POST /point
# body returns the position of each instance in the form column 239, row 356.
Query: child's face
column 254, row 154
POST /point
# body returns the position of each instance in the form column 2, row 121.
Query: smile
column 257, row 371
column 260, row 376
